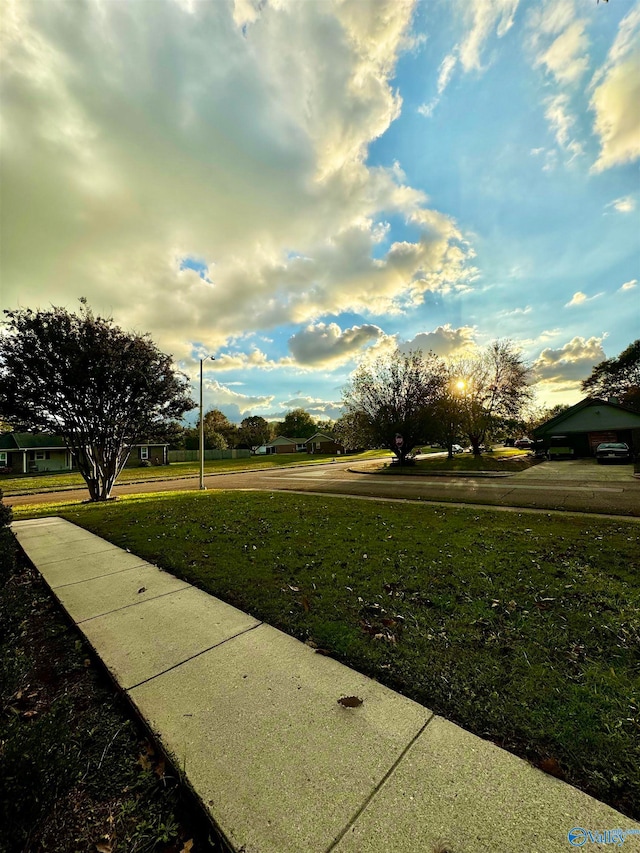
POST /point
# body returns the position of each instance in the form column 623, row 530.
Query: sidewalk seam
column 96, row 577
column 378, row 787
column 125, row 606
column 192, row 657
column 78, row 556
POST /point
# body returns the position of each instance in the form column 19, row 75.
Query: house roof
column 30, row 441
column 317, row 435
column 578, row 418
column 282, row 439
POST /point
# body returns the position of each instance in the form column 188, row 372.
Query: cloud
column 327, row 345
column 517, row 312
column 214, row 134
column 484, row 17
column 444, row 341
column 562, row 122
column 566, row 57
column 558, row 43
column 569, row 364
column 624, row 204
column 580, row 298
column 481, row 19
column 616, row 94
column 222, row 397
column 255, row 358
column 628, row 285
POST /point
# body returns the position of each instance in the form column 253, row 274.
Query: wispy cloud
column 580, row 298
column 624, row 204
column 628, row 285
column 517, row 312
column 481, row 19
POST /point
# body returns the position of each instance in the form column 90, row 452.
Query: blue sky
column 298, row 186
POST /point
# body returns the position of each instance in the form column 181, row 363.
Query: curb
column 486, row 474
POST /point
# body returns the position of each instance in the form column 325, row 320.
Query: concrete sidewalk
column 252, row 717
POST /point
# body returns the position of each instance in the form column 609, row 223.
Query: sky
column 295, row 186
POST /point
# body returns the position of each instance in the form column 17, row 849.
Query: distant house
column 282, row 444
column 153, row 452
column 27, row 453
column 322, row 443
column 589, row 423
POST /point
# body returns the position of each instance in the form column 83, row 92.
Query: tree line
column 220, row 433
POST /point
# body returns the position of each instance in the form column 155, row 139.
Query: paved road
column 587, row 489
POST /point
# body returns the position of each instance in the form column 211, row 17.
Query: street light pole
column 202, row 485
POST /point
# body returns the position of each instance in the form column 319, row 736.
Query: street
column 587, row 489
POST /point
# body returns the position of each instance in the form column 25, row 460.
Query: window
column 40, row 454
column 144, row 453
column 3, row 457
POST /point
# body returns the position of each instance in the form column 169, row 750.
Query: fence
column 194, row 455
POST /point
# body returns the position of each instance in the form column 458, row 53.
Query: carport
column 589, row 423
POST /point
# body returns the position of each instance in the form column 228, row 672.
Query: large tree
column 617, row 377
column 492, row 387
column 254, row 431
column 82, row 377
column 298, row 424
column 217, row 424
column 353, row 431
column 396, row 396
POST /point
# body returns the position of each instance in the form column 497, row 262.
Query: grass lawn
column 523, row 628
column 505, row 459
column 33, row 484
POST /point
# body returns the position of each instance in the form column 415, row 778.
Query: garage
column 577, row 432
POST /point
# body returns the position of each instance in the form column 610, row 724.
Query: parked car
column 524, row 443
column 613, row 451
column 456, row 448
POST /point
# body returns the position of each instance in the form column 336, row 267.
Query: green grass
column 506, row 460
column 37, row 483
column 523, row 628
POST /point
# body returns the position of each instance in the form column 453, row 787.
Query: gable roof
column 30, row 441
column 317, row 435
column 620, row 417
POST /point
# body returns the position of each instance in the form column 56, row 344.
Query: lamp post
column 202, row 485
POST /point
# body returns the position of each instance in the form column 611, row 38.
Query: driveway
column 578, row 470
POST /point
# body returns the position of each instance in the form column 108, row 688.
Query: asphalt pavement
column 575, row 486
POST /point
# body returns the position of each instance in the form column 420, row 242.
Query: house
column 148, row 452
column 580, row 429
column 282, row 444
column 25, row 453
column 28, row 453
column 322, row 443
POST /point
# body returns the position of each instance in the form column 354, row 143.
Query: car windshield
column 612, row 446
